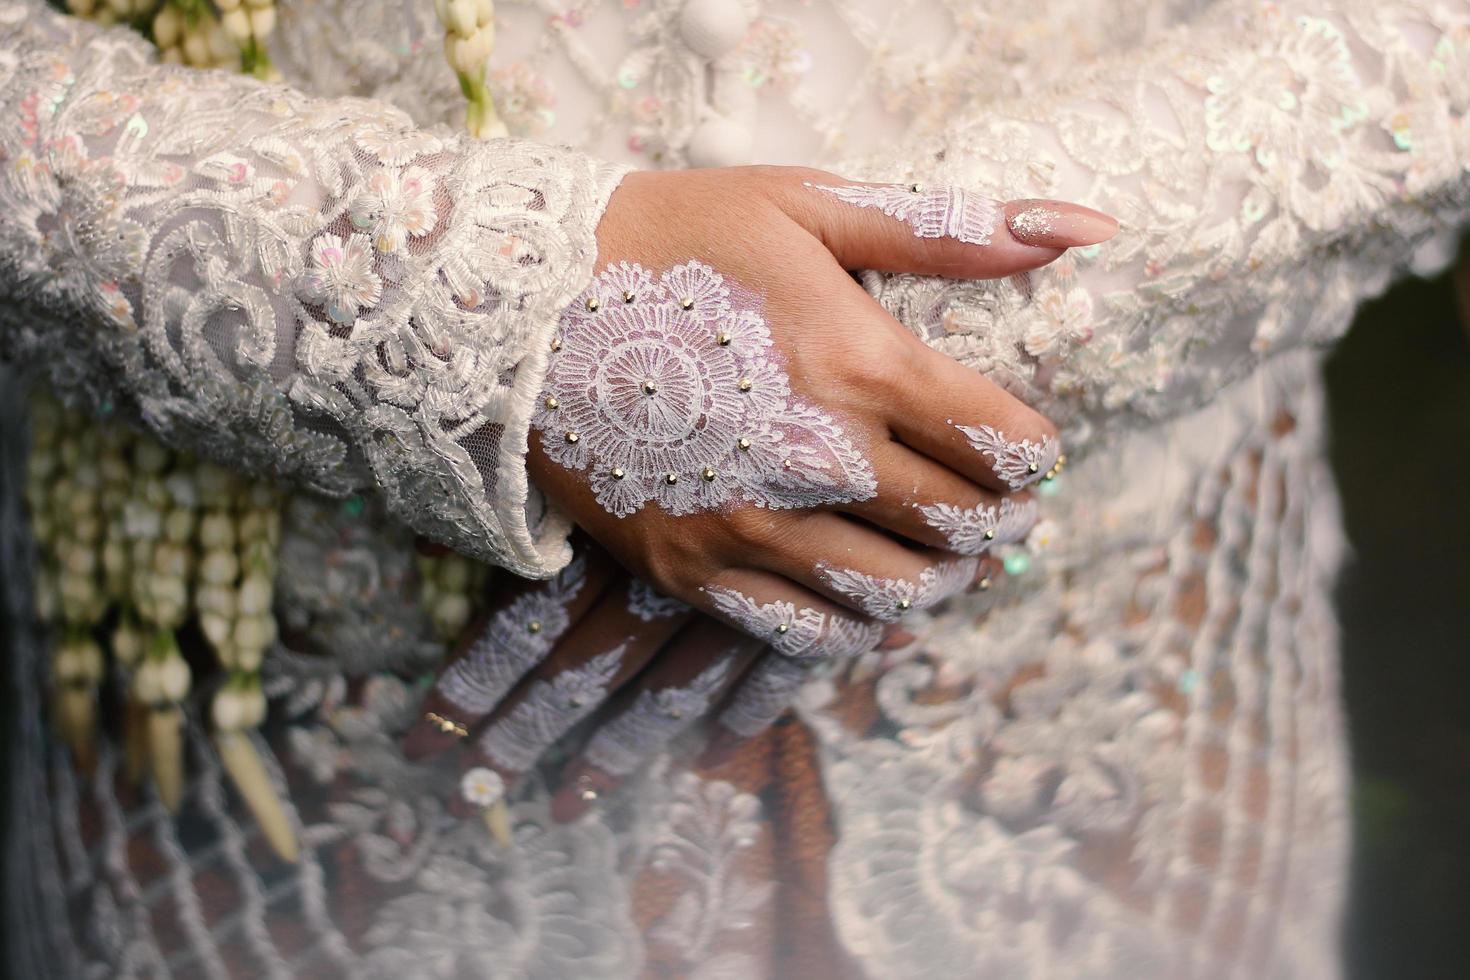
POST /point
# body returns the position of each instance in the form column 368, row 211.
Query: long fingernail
column 1058, row 224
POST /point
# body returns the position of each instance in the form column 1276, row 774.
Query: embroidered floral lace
column 1132, row 766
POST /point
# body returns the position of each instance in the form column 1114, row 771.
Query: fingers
column 497, row 652
column 794, row 620
column 611, row 645
column 907, row 481
column 959, row 418
column 940, row 230
column 762, row 696
column 866, row 571
column 696, row 670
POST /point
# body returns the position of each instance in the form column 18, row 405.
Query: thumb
column 940, row 230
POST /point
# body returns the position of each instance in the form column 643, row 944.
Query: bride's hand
column 737, row 422
column 595, row 642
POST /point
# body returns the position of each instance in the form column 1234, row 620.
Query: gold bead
column 916, row 188
column 746, row 384
column 985, row 583
column 555, row 344
column 593, row 304
column 588, row 795
column 577, row 701
column 573, row 438
column 676, row 713
column 708, row 473
column 787, row 464
column 990, row 534
column 743, row 443
column 783, row 628
column 722, row 338
column 534, row 626
column 617, row 473
column 671, row 478
column 649, row 387
column 628, row 296
column 904, row 605
column 686, row 303
column 1032, row 468
column 551, row 402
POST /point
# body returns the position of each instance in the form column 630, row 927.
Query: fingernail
column 1058, row 224
column 580, row 794
column 896, row 638
column 720, row 750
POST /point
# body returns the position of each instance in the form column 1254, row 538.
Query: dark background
column 1399, row 390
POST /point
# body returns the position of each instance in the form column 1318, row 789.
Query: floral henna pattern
column 670, row 391
column 887, row 599
column 654, row 719
column 548, row 710
column 796, row 632
column 974, row 530
column 1017, row 462
column 939, row 212
column 648, row 604
column 517, row 638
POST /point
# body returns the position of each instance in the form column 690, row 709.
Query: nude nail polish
column 1058, row 224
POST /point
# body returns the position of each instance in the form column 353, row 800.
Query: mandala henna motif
column 670, row 390
column 940, row 212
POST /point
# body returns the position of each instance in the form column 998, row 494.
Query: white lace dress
column 1127, row 762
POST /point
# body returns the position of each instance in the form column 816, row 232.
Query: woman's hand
column 738, row 423
column 595, row 642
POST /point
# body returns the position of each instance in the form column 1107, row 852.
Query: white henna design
column 1016, row 462
column 765, row 695
column 670, row 391
column 975, row 530
column 517, row 638
column 654, row 719
column 549, row 708
column 648, row 604
column 939, row 212
column 887, row 599
column 797, row 632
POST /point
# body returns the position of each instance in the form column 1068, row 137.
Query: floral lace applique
column 975, row 530
column 517, row 638
column 765, row 694
column 796, row 632
column 941, row 212
column 887, row 599
column 648, row 604
column 1017, row 462
column 654, row 719
column 670, row 391
column 548, row 710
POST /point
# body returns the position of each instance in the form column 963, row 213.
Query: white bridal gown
column 1129, row 761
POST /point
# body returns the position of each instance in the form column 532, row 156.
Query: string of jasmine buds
column 187, row 32
column 249, row 23
column 449, row 585
column 109, row 12
column 469, row 37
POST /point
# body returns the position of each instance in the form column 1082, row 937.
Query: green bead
column 1018, row 563
column 1049, row 488
column 354, row 506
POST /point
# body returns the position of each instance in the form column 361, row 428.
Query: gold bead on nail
column 671, row 478
column 985, row 583
column 587, row 795
column 990, row 534
column 1032, row 468
column 783, row 628
column 904, row 605
column 534, row 626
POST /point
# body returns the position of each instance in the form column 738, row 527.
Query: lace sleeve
column 312, row 288
column 1273, row 164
